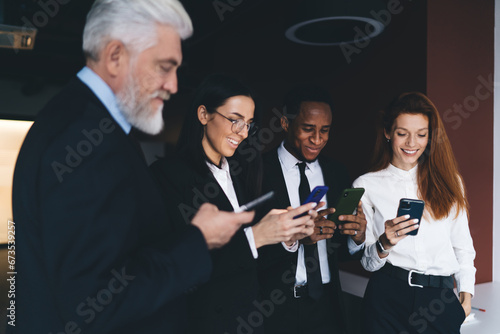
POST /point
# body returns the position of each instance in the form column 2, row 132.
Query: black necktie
column 311, row 257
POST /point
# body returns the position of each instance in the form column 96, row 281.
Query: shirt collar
column 224, row 168
column 289, row 161
column 105, row 95
column 401, row 172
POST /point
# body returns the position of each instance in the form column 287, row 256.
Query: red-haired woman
column 411, row 290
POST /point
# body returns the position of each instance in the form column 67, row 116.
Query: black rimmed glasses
column 239, row 124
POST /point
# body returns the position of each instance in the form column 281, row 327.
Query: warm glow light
column 12, row 134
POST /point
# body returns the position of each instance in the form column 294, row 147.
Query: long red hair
column 440, row 184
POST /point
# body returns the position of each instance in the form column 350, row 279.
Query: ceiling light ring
column 377, row 25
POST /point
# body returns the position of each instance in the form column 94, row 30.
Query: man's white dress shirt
column 314, row 176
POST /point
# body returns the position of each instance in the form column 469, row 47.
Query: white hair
column 134, row 22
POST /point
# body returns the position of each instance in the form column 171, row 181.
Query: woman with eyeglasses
column 217, row 162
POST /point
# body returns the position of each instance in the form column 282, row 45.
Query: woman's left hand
column 465, row 300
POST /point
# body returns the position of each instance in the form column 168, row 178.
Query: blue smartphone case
column 315, row 196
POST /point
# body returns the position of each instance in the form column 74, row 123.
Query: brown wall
column 460, row 56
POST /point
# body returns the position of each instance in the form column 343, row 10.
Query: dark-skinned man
column 305, row 272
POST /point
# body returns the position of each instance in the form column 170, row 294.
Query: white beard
column 137, row 109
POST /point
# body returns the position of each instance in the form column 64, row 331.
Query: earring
column 388, row 140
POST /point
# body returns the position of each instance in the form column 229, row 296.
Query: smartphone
column 315, row 196
column 256, row 202
column 347, row 204
column 412, row 207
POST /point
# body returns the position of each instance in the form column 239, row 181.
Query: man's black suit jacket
column 224, row 303
column 277, row 266
column 91, row 229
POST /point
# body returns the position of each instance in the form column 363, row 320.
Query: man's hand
column 323, row 228
column 219, row 226
column 355, row 225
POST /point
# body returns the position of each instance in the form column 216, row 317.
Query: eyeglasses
column 239, row 124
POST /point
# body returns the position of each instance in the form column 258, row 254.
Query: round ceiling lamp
column 335, row 22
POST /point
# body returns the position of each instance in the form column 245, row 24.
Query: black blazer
column 277, row 267
column 90, row 228
column 228, row 298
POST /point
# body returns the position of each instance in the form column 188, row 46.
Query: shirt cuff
column 464, row 284
column 353, row 247
column 293, row 248
column 251, row 241
column 371, row 261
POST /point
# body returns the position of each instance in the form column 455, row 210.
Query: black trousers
column 306, row 315
column 392, row 306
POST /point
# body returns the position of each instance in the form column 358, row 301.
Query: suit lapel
column 239, row 189
column 276, row 180
column 331, row 181
column 336, row 187
column 214, row 193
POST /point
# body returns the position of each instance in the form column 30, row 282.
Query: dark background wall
column 361, row 83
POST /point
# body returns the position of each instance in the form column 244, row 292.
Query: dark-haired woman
column 213, row 166
column 411, row 290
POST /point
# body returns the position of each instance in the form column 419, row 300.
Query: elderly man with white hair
column 94, row 252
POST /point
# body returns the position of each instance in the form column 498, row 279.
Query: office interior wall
column 460, row 69
column 496, row 147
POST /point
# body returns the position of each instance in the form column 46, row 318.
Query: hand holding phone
column 412, row 207
column 347, row 204
column 315, row 196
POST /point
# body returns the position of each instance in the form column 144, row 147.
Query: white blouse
column 223, row 177
column 443, row 247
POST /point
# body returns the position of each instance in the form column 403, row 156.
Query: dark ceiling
column 236, row 36
column 57, row 53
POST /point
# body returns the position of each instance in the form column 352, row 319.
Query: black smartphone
column 347, row 204
column 315, row 196
column 412, row 207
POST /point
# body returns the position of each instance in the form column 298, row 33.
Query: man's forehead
column 168, row 44
column 313, row 105
column 314, row 111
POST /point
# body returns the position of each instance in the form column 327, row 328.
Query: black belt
column 300, row 291
column 416, row 278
